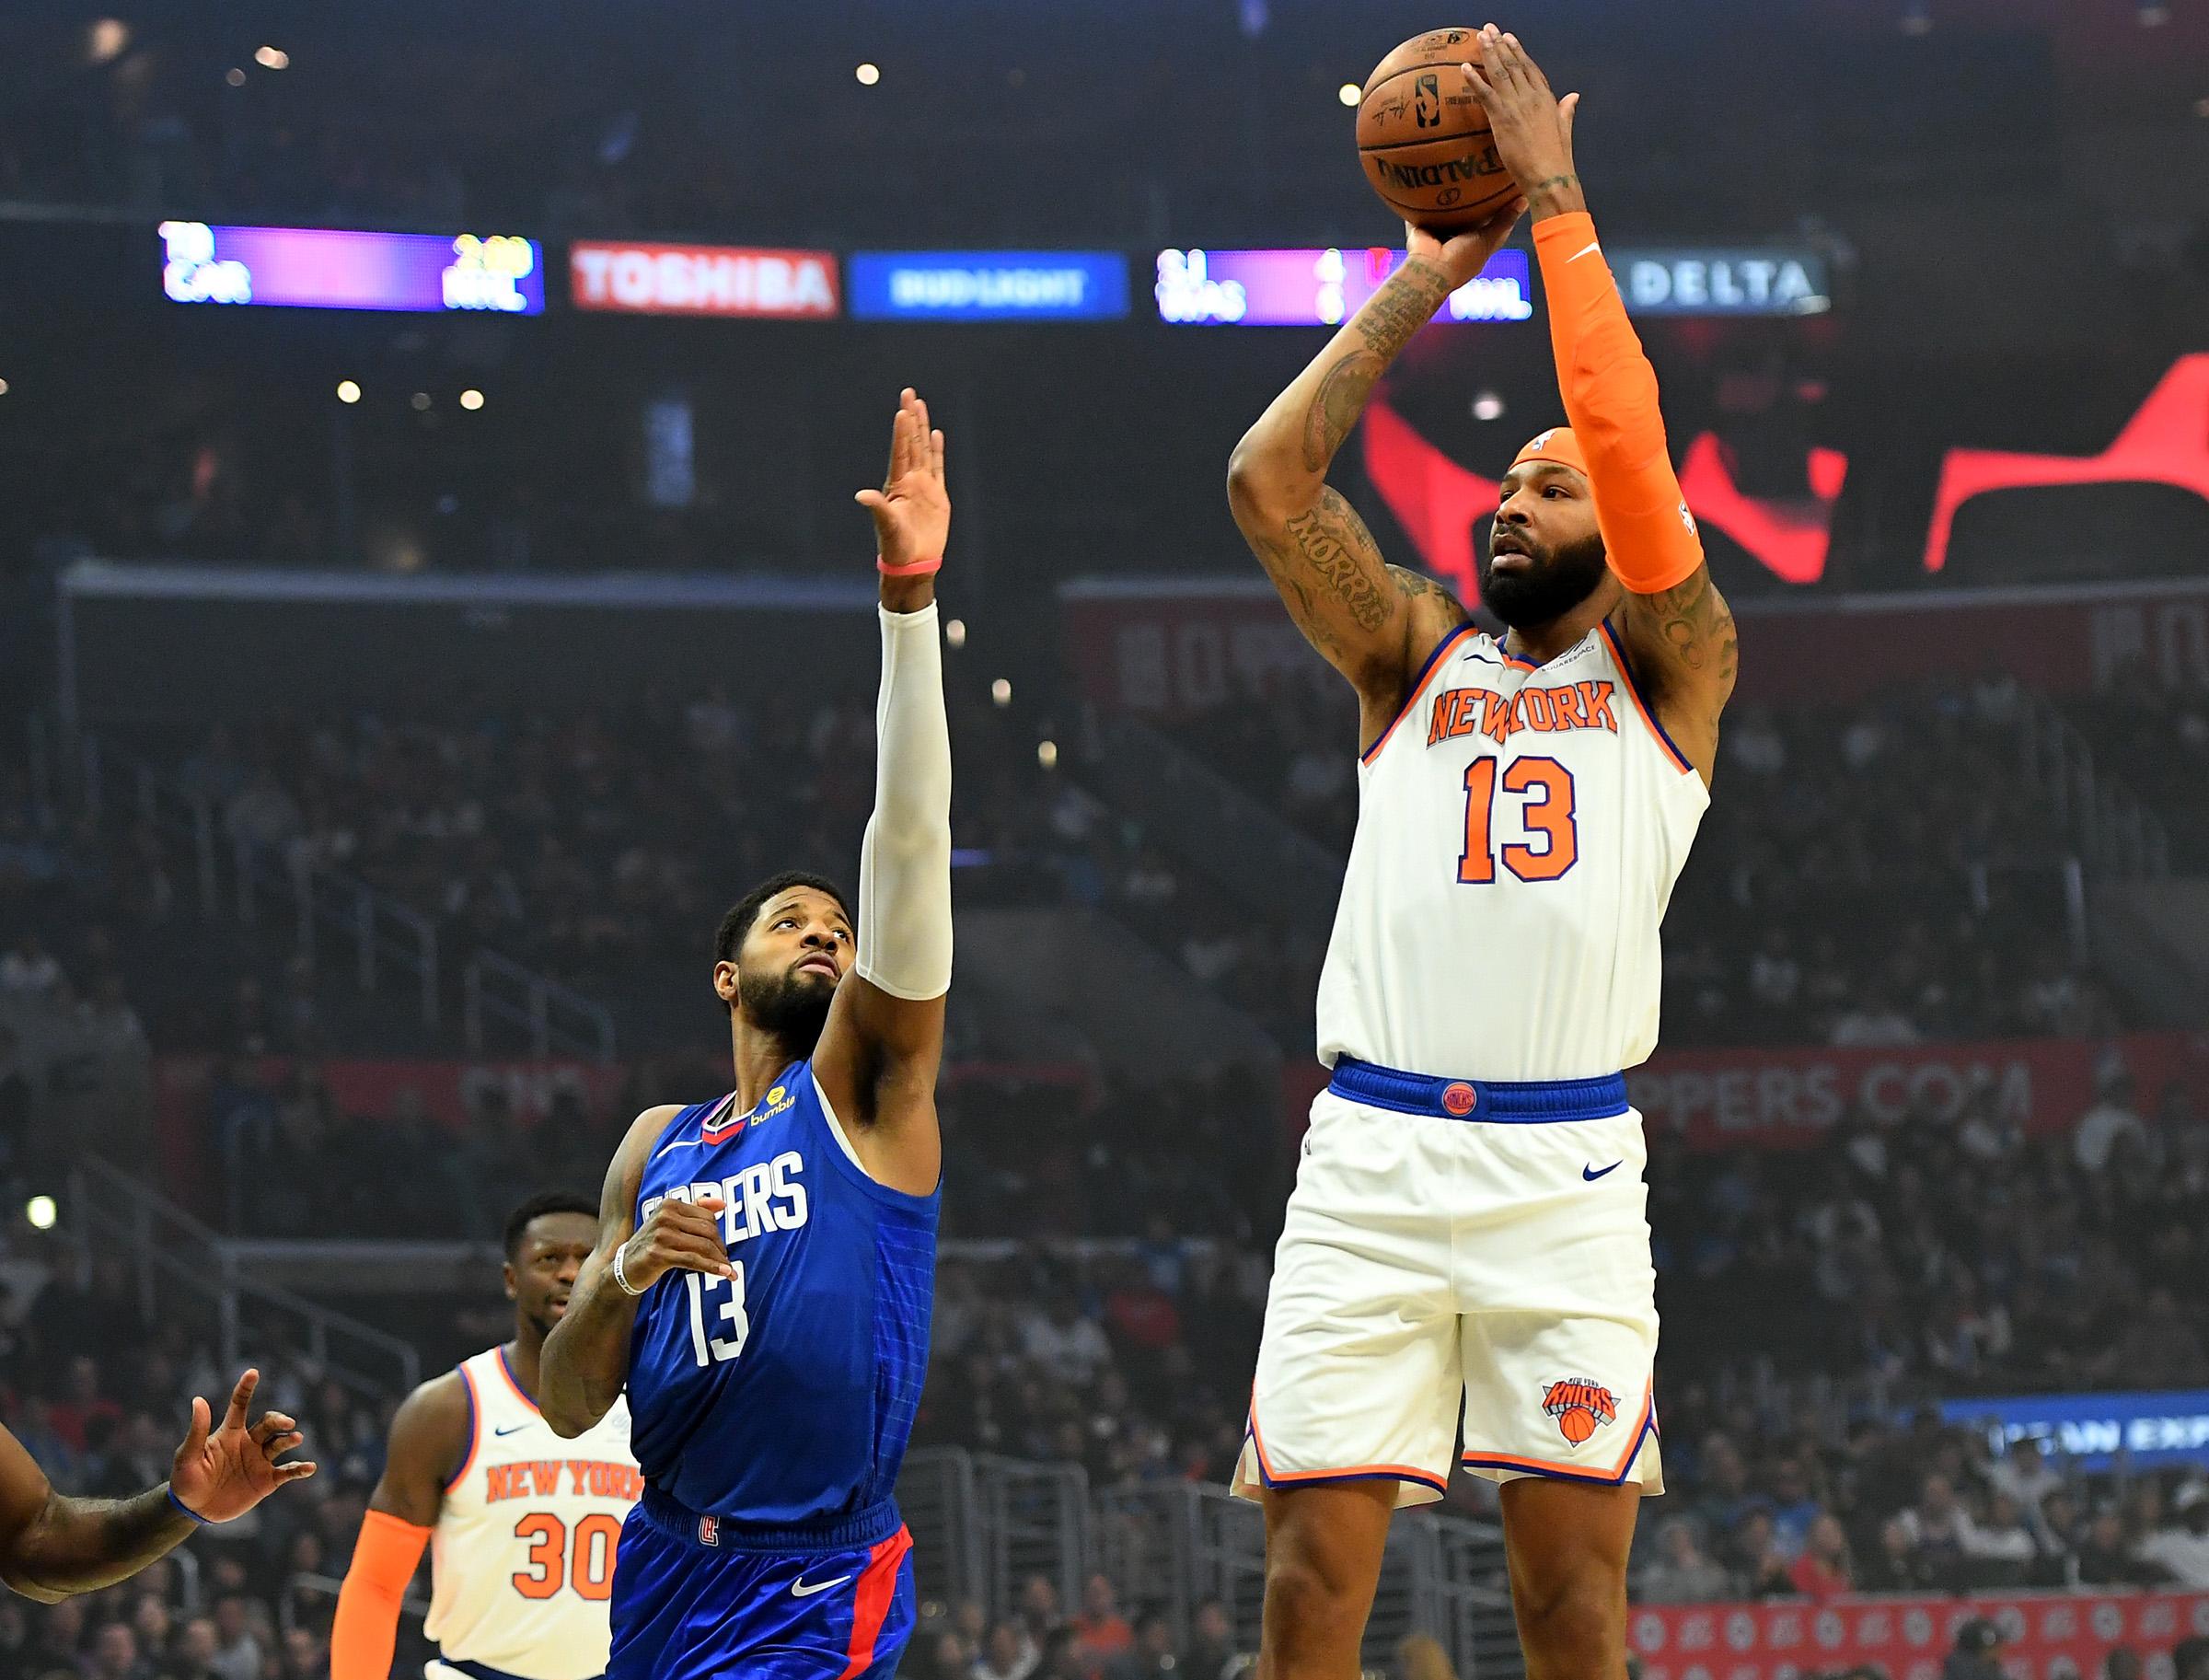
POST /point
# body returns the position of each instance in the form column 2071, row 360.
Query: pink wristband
column 918, row 568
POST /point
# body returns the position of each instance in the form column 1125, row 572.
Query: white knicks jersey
column 522, row 1558
column 1519, row 828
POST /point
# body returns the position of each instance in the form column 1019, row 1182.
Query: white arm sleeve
column 904, row 862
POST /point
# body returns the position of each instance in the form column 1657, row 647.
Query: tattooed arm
column 1373, row 623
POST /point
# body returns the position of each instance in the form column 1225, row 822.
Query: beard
column 1559, row 580
column 793, row 1006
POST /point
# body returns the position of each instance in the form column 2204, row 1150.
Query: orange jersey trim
column 1547, row 1467
column 506, row 1370
column 1291, row 1477
column 1418, row 689
column 475, row 1432
column 1633, row 687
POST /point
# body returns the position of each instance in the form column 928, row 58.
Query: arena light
column 3, row 388
column 41, row 1213
column 954, row 631
column 1047, row 754
column 471, row 400
column 1349, row 93
column 1917, row 16
column 272, row 58
column 348, row 391
column 106, row 40
column 419, row 402
column 1487, row 406
column 235, row 76
column 2201, row 108
column 2153, row 16
column 1000, row 693
column 868, row 75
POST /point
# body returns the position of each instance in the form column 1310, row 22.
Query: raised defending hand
column 912, row 509
column 676, row 1236
column 1533, row 127
column 223, row 1474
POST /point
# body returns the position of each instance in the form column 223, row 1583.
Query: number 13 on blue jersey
column 705, row 1344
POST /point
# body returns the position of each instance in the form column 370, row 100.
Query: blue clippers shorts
column 696, row 1599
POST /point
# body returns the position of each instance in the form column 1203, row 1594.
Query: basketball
column 1424, row 139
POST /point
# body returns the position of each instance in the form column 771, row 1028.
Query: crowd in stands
column 1873, row 875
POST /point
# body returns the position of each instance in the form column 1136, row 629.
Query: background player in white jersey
column 522, row 1526
column 1468, row 1238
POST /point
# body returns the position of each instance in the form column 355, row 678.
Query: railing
column 1033, row 1519
column 550, row 1014
column 380, row 939
column 1174, row 1545
column 164, row 1244
column 2110, row 827
column 936, row 1494
column 1252, row 852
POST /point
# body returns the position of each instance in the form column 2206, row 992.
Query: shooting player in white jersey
column 521, row 1525
column 1468, row 1238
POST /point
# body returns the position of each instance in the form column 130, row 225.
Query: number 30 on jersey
column 1553, row 837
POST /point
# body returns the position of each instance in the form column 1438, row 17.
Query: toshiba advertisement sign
column 703, row 280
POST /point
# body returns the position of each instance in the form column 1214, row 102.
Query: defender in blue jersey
column 765, row 1263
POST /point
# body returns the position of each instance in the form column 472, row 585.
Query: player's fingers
column 272, row 1423
column 195, row 1438
column 935, row 450
column 294, row 1473
column 1483, row 89
column 873, row 501
column 699, row 1253
column 1567, row 107
column 240, row 1397
column 281, row 1444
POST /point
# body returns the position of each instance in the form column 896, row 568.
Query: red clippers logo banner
column 2165, row 442
column 1438, row 503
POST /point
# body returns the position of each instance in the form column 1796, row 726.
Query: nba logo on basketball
column 1580, row 1405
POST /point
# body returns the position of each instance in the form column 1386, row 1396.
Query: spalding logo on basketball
column 1582, row 1405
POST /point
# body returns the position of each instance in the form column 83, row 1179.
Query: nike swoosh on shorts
column 798, row 1589
column 1591, row 1174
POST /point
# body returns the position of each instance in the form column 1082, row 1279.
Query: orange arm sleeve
column 1610, row 393
column 366, row 1634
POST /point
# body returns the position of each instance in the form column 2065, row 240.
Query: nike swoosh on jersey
column 512, row 1428
column 680, row 1143
column 1584, row 250
column 798, row 1589
column 1592, row 1173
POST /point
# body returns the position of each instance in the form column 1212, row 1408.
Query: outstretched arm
column 879, row 1053
column 429, row 1442
column 585, row 1360
column 1373, row 623
column 52, row 1547
column 1675, row 622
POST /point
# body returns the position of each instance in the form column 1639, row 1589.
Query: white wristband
column 620, row 1276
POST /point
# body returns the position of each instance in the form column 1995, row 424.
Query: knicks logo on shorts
column 1582, row 1405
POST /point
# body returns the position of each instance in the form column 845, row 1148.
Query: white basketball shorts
column 1490, row 1271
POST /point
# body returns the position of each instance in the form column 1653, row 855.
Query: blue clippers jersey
column 786, row 1396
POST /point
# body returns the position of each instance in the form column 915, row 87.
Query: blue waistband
column 875, row 1524
column 1507, row 1102
column 476, row 1671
